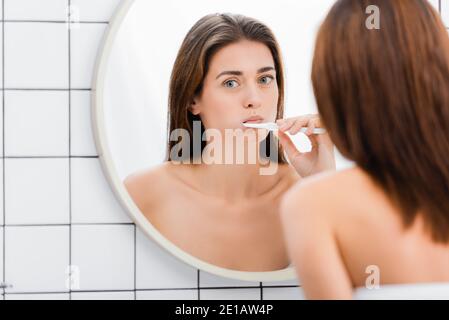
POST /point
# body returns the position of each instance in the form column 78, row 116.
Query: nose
column 253, row 99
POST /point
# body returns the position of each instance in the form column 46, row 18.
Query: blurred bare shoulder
column 148, row 187
column 308, row 215
column 327, row 193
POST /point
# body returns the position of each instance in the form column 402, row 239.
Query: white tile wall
column 37, row 123
column 85, row 42
column 36, row 258
column 82, row 140
column 95, row 10
column 38, row 296
column 37, row 191
column 92, row 197
column 156, row 269
column 104, row 255
column 53, row 10
column 111, row 295
column 36, row 55
column 59, row 209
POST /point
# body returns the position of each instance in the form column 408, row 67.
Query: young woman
column 228, row 71
column 383, row 94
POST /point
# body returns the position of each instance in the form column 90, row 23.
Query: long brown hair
column 383, row 94
column 206, row 37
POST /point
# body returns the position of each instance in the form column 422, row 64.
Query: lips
column 253, row 119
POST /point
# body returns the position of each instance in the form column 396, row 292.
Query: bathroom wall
column 57, row 209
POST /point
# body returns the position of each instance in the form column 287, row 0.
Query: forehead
column 245, row 56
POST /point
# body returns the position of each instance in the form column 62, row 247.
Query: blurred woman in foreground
column 383, row 95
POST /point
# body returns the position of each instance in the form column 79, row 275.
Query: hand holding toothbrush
column 320, row 158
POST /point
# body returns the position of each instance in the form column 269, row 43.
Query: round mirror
column 220, row 219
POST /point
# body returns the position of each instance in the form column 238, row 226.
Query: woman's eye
column 230, row 84
column 266, row 79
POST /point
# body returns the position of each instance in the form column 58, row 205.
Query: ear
column 194, row 107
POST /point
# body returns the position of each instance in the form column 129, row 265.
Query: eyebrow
column 239, row 73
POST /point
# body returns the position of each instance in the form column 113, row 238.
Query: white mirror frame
column 98, row 126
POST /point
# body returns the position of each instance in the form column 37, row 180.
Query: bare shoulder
column 148, row 186
column 326, row 192
column 331, row 179
column 307, row 212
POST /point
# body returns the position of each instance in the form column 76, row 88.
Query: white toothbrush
column 273, row 127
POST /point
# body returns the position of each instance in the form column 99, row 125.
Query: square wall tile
column 36, row 123
column 82, row 137
column 94, row 10
column 187, row 294
column 38, row 296
column 97, row 203
column 36, row 55
column 53, row 10
column 230, row 294
column 36, row 258
column 210, row 280
column 112, row 295
column 156, row 268
column 37, row 191
column 283, row 294
column 104, row 256
column 85, row 45
column 445, row 12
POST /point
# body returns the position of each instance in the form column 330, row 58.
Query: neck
column 234, row 181
column 233, row 176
